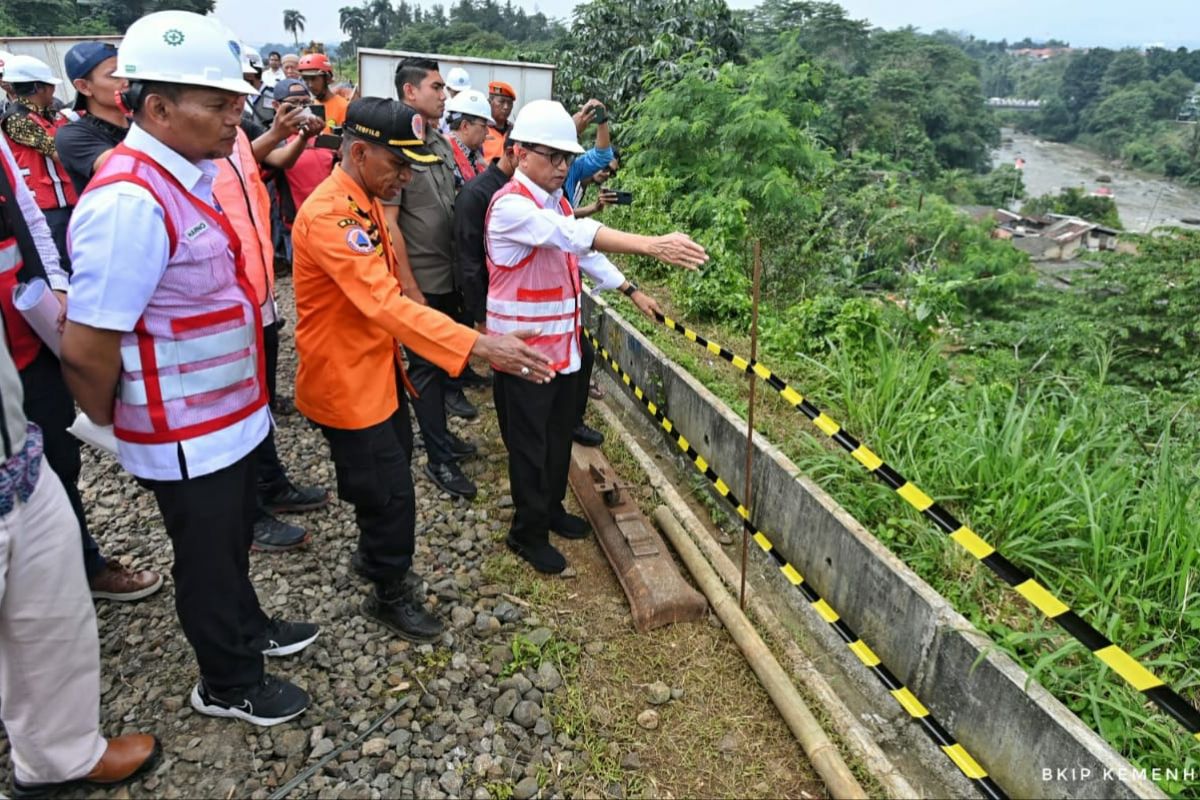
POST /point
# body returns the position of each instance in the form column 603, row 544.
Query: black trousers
column 430, row 382
column 210, row 520
column 58, row 219
column 373, row 475
column 49, row 404
column 536, row 421
column 587, row 355
column 271, row 474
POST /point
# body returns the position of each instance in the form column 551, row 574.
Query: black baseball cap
column 392, row 124
column 81, row 60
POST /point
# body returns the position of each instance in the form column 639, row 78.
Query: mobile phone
column 317, row 111
column 623, row 198
column 599, row 114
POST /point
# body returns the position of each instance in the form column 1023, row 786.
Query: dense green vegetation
column 467, row 27
column 83, row 17
column 1059, row 424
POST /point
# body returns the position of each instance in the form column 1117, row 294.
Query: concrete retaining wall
column 1010, row 723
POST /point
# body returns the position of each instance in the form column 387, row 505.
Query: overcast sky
column 1099, row 22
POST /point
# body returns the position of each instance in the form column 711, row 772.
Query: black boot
column 395, row 606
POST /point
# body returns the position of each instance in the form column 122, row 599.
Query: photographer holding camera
column 312, row 164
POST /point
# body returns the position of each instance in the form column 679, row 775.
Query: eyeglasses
column 556, row 157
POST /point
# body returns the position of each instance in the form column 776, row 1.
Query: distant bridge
column 1014, row 103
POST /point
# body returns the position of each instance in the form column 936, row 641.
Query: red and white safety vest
column 23, row 343
column 243, row 196
column 465, row 170
column 194, row 363
column 541, row 290
column 46, row 178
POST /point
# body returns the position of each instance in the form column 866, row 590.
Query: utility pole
column 753, row 379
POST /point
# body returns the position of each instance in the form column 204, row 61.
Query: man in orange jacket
column 501, row 97
column 352, row 316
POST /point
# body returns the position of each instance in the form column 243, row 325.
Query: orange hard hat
column 315, row 64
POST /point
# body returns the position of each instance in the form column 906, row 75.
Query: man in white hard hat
column 468, row 115
column 164, row 318
column 458, row 80
column 535, row 250
column 29, row 123
column 49, row 650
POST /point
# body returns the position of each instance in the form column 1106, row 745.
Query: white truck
column 377, row 73
column 52, row 50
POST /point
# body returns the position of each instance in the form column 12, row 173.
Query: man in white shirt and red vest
column 535, row 251
column 27, row 252
column 164, row 318
column 467, row 116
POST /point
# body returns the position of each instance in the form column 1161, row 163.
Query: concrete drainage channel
column 1028, row 741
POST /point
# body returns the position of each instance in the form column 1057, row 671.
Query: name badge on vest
column 197, row 229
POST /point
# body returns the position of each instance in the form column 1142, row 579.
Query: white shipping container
column 52, row 50
column 377, row 73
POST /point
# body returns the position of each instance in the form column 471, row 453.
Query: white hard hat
column 473, row 103
column 181, row 47
column 27, row 69
column 546, row 122
column 251, row 60
column 458, row 79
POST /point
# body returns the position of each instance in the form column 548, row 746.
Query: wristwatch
column 630, row 289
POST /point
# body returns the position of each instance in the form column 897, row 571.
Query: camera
column 599, row 114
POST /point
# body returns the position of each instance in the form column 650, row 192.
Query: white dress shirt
column 119, row 251
column 270, row 77
column 43, row 240
column 514, row 230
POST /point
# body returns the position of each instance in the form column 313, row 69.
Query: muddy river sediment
column 1143, row 200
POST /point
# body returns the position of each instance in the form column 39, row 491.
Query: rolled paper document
column 88, row 432
column 40, row 308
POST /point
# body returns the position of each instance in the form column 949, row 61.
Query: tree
column 1083, row 78
column 1055, row 121
column 382, row 17
column 615, row 44
column 1119, row 118
column 1127, row 67
column 353, row 22
column 293, row 23
column 1073, row 202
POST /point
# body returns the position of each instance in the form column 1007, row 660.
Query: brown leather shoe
column 125, row 758
column 120, row 583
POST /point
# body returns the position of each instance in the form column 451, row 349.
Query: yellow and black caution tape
column 903, row 695
column 1112, row 655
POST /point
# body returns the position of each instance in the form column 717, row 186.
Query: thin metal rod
column 750, row 417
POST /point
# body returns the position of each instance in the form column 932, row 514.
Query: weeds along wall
column 991, row 706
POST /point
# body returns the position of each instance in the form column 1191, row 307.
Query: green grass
column 1091, row 486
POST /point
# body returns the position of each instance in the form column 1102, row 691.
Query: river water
column 1143, row 200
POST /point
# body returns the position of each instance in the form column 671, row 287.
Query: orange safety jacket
column 352, row 314
column 242, row 195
